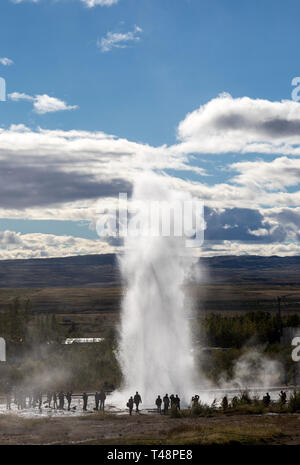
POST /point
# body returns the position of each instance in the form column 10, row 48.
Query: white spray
column 155, row 344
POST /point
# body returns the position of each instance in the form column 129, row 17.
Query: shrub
column 174, row 412
column 294, row 402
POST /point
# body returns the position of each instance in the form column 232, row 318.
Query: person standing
column 49, row 398
column 166, row 401
column 158, row 403
column 69, row 399
column 102, row 399
column 267, row 399
column 61, row 398
column 97, row 399
column 130, row 405
column 177, row 402
column 54, row 397
column 40, row 399
column 225, row 403
column 195, row 400
column 85, row 401
column 137, row 400
column 282, row 396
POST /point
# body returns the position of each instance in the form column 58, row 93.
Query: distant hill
column 80, row 271
column 102, row 270
column 88, row 289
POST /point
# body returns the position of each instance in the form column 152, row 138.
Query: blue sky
column 179, row 56
column 189, row 52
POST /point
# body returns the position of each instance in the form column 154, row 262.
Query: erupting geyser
column 155, row 344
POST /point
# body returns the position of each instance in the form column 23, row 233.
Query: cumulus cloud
column 275, row 175
column 6, row 61
column 45, row 104
column 118, row 39
column 244, row 125
column 42, row 103
column 280, row 249
column 16, row 96
column 46, row 174
column 31, row 186
column 242, row 224
column 14, row 245
column 44, row 168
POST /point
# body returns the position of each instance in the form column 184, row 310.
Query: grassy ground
column 96, row 309
column 152, row 429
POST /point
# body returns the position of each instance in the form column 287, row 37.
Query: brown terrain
column 151, row 429
column 88, row 289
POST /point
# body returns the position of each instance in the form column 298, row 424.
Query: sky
column 198, row 91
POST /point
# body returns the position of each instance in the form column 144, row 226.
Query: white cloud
column 16, row 96
column 259, row 232
column 23, row 1
column 6, row 61
column 88, row 3
column 92, row 3
column 60, row 174
column 118, row 39
column 282, row 249
column 55, row 174
column 244, row 125
column 15, row 245
column 275, row 175
column 43, row 103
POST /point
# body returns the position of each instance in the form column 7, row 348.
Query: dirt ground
column 151, row 429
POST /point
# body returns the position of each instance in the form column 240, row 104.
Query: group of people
column 246, row 399
column 136, row 400
column 267, row 398
column 55, row 400
column 172, row 401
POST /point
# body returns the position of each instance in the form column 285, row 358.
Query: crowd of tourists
column 52, row 400
column 162, row 404
column 63, row 401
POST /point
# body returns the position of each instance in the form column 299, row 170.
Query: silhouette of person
column 54, row 397
column 166, row 401
column 177, row 402
column 61, row 398
column 97, row 399
column 225, row 403
column 158, row 403
column 137, row 400
column 267, row 399
column 102, row 399
column 130, row 405
column 172, row 397
column 69, row 399
column 85, row 400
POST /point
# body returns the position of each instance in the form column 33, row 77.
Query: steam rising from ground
column 253, row 369
column 155, row 343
